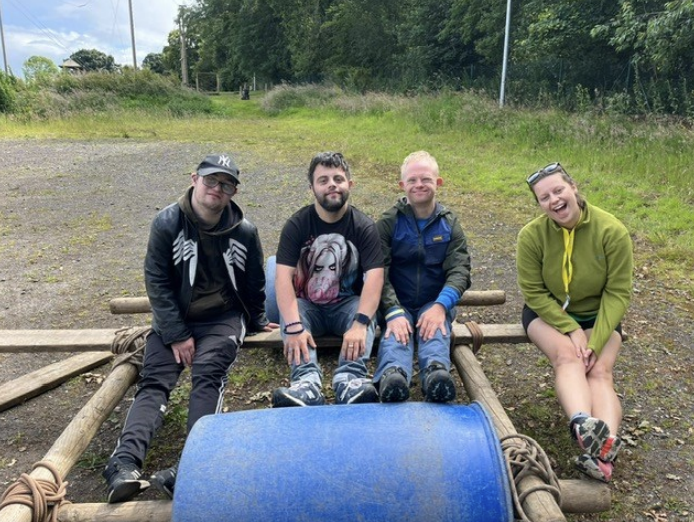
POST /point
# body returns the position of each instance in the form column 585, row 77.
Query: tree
column 39, row 70
column 155, row 63
column 93, row 60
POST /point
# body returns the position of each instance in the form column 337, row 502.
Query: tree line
column 630, row 55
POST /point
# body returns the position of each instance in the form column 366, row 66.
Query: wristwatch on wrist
column 362, row 319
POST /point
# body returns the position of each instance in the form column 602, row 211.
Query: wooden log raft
column 139, row 305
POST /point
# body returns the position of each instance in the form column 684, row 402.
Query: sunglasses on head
column 550, row 169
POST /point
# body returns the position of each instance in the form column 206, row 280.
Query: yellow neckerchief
column 567, row 269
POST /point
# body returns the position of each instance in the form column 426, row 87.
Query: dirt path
column 74, row 220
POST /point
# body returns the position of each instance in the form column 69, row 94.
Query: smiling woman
column 574, row 270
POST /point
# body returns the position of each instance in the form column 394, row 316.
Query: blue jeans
column 391, row 353
column 333, row 319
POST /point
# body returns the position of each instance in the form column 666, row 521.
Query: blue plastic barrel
column 364, row 462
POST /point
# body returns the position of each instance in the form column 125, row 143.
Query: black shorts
column 529, row 316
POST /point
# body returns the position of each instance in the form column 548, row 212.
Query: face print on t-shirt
column 326, row 270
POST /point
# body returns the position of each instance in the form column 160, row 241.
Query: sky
column 57, row 28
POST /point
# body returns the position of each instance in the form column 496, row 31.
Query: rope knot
column 524, row 456
column 477, row 335
column 129, row 345
column 43, row 496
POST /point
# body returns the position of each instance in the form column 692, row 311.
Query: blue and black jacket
column 421, row 259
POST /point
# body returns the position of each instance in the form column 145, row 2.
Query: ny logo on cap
column 224, row 161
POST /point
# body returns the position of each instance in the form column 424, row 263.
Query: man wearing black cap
column 205, row 281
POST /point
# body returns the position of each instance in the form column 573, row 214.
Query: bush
column 102, row 91
column 8, row 93
column 285, row 97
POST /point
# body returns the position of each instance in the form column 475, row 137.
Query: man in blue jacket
column 427, row 271
column 206, row 285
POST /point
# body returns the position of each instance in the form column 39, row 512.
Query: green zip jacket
column 602, row 273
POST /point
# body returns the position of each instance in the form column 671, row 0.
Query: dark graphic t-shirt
column 330, row 258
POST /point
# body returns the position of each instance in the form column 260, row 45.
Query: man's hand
column 296, row 347
column 270, row 327
column 184, row 351
column 399, row 327
column 354, row 342
column 431, row 320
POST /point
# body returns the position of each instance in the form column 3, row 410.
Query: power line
column 42, row 28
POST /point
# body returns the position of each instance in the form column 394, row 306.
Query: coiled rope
column 477, row 335
column 129, row 345
column 524, row 456
column 44, row 497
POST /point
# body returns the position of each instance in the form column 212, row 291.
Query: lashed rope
column 44, row 497
column 477, row 335
column 129, row 345
column 524, row 456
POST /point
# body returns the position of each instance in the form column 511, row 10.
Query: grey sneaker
column 591, row 434
column 123, row 479
column 355, row 391
column 438, row 385
column 300, row 393
column 165, row 480
column 595, row 468
column 393, row 385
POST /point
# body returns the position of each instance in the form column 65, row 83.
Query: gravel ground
column 74, row 219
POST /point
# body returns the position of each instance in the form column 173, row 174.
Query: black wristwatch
column 362, row 319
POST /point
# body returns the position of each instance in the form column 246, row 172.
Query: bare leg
column 570, row 380
column 606, row 403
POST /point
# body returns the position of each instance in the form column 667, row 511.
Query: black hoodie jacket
column 171, row 266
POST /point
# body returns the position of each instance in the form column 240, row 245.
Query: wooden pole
column 40, row 341
column 585, row 496
column 540, row 506
column 137, row 305
column 48, row 377
column 68, row 448
column 578, row 496
column 142, row 511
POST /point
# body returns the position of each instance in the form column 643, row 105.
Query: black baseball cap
column 219, row 164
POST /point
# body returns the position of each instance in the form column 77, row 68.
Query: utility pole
column 506, row 40
column 132, row 34
column 184, row 53
column 2, row 37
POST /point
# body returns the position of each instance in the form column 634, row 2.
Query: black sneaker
column 356, row 391
column 123, row 479
column 165, row 480
column 393, row 385
column 300, row 393
column 438, row 385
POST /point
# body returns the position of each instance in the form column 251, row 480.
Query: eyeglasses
column 543, row 173
column 227, row 188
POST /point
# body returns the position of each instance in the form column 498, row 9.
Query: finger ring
column 350, row 345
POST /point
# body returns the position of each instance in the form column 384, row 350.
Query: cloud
column 56, row 29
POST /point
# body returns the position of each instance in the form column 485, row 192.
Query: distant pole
column 184, row 53
column 506, row 40
column 2, row 37
column 132, row 34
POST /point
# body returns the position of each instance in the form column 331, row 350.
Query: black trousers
column 216, row 343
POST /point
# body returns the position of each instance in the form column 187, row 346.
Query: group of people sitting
column 337, row 272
